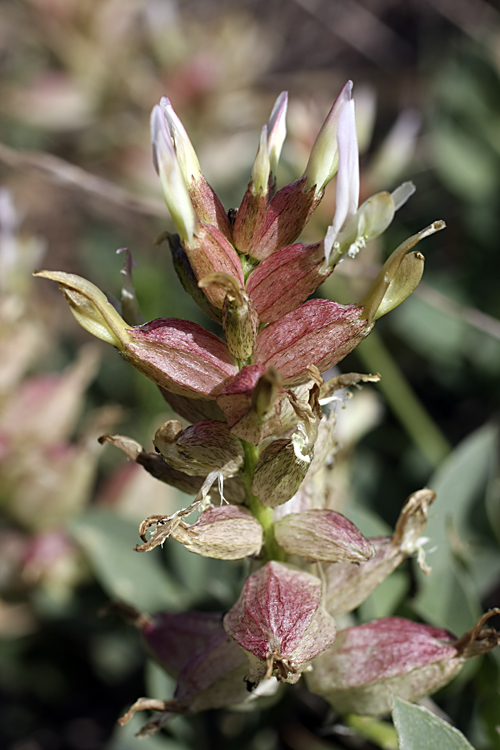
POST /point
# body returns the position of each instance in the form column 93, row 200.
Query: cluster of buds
column 257, row 433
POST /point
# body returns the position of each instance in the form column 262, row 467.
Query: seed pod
column 322, row 535
column 279, row 473
column 369, row 664
column 224, row 533
column 279, row 620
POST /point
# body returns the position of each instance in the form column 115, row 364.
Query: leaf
column 447, row 597
column 136, row 579
column 419, row 729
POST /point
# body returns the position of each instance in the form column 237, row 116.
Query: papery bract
column 285, row 279
column 224, row 533
column 279, row 620
column 181, row 357
column 317, row 332
column 322, row 535
column 279, row 472
column 368, row 664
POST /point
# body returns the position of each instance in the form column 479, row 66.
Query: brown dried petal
column 322, row 535
column 278, row 473
column 280, row 621
column 224, row 533
column 369, row 664
column 286, row 279
column 154, row 464
column 181, row 357
column 318, row 332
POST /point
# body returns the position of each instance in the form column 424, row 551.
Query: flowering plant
column 260, row 431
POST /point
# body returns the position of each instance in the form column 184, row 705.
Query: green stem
column 403, row 401
column 271, row 549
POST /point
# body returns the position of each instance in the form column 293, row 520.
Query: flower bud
column 279, row 472
column 317, row 332
column 172, row 181
column 347, row 195
column 206, row 204
column 286, row 279
column 324, row 158
column 252, row 211
column 90, row 307
column 398, row 277
column 253, row 403
column 322, row 535
column 200, row 448
column 225, row 533
column 240, row 320
column 276, row 128
column 180, row 356
column 369, row 664
column 279, row 620
column 347, row 586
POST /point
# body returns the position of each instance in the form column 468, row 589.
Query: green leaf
column 419, row 729
column 132, row 577
column 447, row 597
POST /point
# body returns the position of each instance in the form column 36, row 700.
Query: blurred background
column 78, row 79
